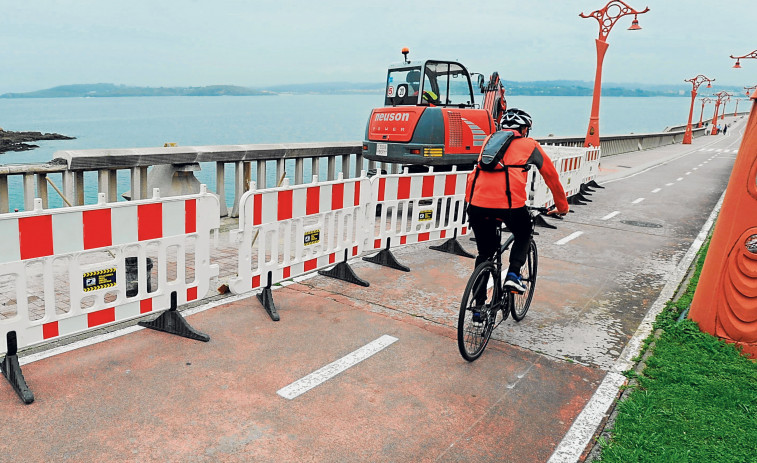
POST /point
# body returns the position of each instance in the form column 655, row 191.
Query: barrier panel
column 66, row 271
column 289, row 231
column 591, row 165
column 411, row 208
column 570, row 165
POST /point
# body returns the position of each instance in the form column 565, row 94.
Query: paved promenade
column 354, row 374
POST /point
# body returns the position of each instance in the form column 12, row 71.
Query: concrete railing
column 618, row 144
column 107, row 166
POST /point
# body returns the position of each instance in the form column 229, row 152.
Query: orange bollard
column 725, row 302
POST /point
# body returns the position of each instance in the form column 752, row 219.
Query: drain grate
column 638, row 223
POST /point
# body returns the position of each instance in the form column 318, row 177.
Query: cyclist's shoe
column 479, row 313
column 514, row 283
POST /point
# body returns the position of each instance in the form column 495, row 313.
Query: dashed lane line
column 637, row 200
column 679, row 179
column 669, row 184
column 610, row 215
column 656, row 190
column 568, row 238
column 322, row 375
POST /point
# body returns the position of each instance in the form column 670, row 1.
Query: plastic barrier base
column 266, row 299
column 575, row 200
column 387, row 259
column 453, row 246
column 12, row 371
column 594, row 184
column 585, row 190
column 342, row 271
column 172, row 322
column 539, row 221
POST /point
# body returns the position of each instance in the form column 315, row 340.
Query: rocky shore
column 21, row 141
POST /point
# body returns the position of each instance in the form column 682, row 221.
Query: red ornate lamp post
column 704, row 100
column 695, row 83
column 747, row 56
column 736, row 111
column 750, row 89
column 607, row 17
column 721, row 96
column 725, row 100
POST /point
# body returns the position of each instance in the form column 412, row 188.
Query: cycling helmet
column 515, row 118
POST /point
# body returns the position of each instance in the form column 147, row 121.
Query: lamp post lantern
column 606, row 17
column 739, row 58
column 701, row 114
column 695, row 83
column 750, row 89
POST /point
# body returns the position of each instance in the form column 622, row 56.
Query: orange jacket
column 491, row 188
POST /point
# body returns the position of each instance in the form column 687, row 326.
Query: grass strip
column 696, row 400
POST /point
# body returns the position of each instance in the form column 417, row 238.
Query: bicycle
column 473, row 336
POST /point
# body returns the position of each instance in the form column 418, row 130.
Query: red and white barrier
column 570, row 165
column 66, row 269
column 591, row 164
column 415, row 208
column 293, row 230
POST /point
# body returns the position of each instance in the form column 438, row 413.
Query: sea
column 138, row 122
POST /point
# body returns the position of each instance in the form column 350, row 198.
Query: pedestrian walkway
column 352, row 373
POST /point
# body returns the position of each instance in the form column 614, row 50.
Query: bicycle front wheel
column 519, row 303
column 480, row 296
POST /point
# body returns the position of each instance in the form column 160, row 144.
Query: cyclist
column 499, row 195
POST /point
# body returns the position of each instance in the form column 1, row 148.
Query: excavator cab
column 430, row 117
column 430, row 83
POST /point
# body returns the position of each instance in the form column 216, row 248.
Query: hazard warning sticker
column 425, row 215
column 312, row 237
column 99, row 279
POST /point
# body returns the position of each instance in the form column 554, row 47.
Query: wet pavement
column 149, row 396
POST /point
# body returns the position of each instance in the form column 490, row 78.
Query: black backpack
column 494, row 150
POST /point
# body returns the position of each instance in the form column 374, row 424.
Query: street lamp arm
column 609, row 15
column 699, row 80
column 748, row 55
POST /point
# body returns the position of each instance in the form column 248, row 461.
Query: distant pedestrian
column 725, row 129
column 717, row 130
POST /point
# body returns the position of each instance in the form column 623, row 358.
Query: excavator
column 430, row 117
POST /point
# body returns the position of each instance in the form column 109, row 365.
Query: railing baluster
column 331, row 173
column 346, row 165
column 261, row 174
column 299, row 171
column 4, row 199
column 221, row 187
column 42, row 189
column 28, row 192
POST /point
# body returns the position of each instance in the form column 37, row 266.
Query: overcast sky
column 44, row 43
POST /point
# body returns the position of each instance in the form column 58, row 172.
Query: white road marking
column 711, row 149
column 610, row 215
column 332, row 369
column 570, row 237
column 637, row 201
column 688, row 173
column 656, row 190
column 700, row 165
column 668, row 184
column 679, row 179
column 583, row 428
column 695, row 168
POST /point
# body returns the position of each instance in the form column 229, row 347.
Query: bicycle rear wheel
column 519, row 303
column 481, row 294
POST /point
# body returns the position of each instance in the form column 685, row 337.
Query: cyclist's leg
column 483, row 222
column 519, row 224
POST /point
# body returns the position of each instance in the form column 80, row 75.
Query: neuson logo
column 399, row 117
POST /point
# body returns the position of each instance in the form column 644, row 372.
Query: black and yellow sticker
column 312, row 237
column 425, row 215
column 99, row 279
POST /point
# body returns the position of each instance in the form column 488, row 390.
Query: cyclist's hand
column 553, row 211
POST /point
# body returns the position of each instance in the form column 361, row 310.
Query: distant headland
column 20, row 141
column 513, row 88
